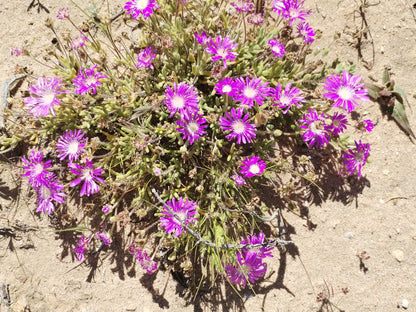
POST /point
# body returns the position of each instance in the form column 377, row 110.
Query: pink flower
column 36, row 168
column 145, row 261
column 63, row 13
column 184, row 210
column 338, row 125
column 78, row 41
column 87, row 81
column 248, row 269
column 305, row 31
column 226, row 86
column 106, row 209
column 222, row 49
column 284, row 99
column 104, row 237
column 71, row 144
column 82, row 245
column 316, row 129
column 249, row 90
column 252, row 166
column 47, row 91
column 144, row 7
column 356, row 159
column 239, row 180
column 345, row 91
column 277, row 48
column 48, row 191
column 182, row 98
column 369, row 126
column 239, row 125
column 192, row 126
column 87, row 174
column 145, row 57
column 255, row 18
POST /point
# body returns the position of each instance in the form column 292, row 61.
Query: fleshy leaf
column 399, row 114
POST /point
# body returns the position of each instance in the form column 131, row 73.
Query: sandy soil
column 379, row 219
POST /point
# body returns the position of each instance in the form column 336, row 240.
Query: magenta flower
column 305, row 31
column 338, row 125
column 246, row 269
column 259, row 252
column 78, row 41
column 252, row 166
column 316, row 129
column 144, row 7
column 284, row 99
column 243, row 5
column 278, row 6
column 184, row 210
column 293, row 10
column 106, row 209
column 369, row 126
column 88, row 81
column 183, row 98
column 345, row 91
column 47, row 91
column 88, row 174
column 145, row 261
column 104, row 237
column 82, row 245
column 255, row 18
column 249, row 91
column 36, row 168
column 354, row 160
column 277, row 48
column 226, row 86
column 239, row 126
column 71, row 144
column 239, row 180
column 48, row 191
column 16, row 52
column 222, row 49
column 203, row 39
column 145, row 57
column 63, row 13
column 192, row 127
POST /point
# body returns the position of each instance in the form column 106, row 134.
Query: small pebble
column 405, row 304
column 398, row 255
column 398, row 231
column 349, row 235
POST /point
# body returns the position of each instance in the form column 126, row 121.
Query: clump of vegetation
column 187, row 130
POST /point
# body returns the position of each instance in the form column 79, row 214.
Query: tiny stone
column 349, row 235
column 405, row 304
column 382, row 50
column 386, row 171
column 398, row 231
column 384, row 27
column 381, row 201
column 398, row 255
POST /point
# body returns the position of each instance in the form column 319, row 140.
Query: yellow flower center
column 192, row 127
column 345, row 93
column 254, row 169
column 178, row 101
column 250, row 92
column 73, row 147
column 238, row 127
column 142, row 4
column 48, row 98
